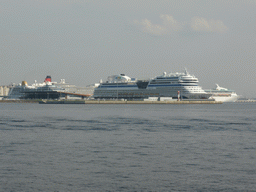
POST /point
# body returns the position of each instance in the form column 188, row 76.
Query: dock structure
column 51, row 94
column 76, row 94
column 124, row 102
column 246, row 101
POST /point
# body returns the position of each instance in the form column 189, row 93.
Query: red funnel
column 48, row 78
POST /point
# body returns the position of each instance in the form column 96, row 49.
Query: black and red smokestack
column 48, row 79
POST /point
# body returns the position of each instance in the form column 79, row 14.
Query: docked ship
column 175, row 85
column 222, row 94
column 24, row 91
column 48, row 90
column 45, row 90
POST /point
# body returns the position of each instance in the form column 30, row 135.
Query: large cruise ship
column 175, row 85
column 19, row 91
column 48, row 89
column 223, row 94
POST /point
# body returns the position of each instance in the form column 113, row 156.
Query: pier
column 245, row 101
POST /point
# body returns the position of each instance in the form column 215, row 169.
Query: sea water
column 197, row 147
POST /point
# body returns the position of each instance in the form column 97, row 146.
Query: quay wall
column 107, row 102
column 245, row 101
column 125, row 102
column 152, row 102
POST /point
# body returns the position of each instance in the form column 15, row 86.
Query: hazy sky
column 84, row 41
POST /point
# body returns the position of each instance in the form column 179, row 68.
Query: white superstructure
column 223, row 94
column 166, row 85
column 17, row 91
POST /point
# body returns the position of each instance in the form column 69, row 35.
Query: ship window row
column 128, row 94
column 167, row 78
column 152, row 94
column 164, row 82
column 159, row 82
column 116, row 83
column 189, row 81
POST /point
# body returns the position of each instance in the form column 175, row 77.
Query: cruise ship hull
column 134, row 93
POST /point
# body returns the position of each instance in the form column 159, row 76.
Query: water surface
column 128, row 147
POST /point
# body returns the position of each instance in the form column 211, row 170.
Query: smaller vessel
column 222, row 94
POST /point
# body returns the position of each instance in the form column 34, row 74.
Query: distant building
column 4, row 90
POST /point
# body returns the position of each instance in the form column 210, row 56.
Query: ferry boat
column 222, row 94
column 175, row 85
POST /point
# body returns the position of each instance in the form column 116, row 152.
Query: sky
column 84, row 41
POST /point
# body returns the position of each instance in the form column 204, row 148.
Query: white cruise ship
column 41, row 90
column 18, row 91
column 166, row 85
column 223, row 94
